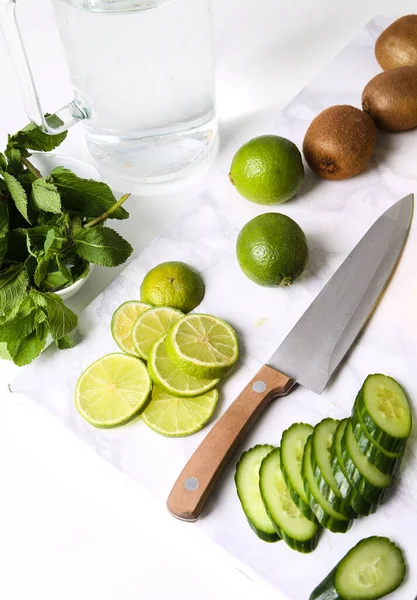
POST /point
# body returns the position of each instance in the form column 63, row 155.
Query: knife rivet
column 191, row 484
column 259, row 387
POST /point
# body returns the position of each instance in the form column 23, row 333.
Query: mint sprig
column 51, row 229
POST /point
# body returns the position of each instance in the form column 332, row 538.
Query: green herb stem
column 108, row 212
column 31, row 168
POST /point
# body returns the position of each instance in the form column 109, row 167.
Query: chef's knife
column 308, row 355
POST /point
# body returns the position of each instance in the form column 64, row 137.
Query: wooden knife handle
column 199, row 475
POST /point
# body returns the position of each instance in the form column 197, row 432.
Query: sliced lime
column 179, row 417
column 151, row 326
column 170, row 378
column 122, row 323
column 113, row 390
column 203, row 346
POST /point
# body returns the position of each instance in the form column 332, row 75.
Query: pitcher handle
column 68, row 115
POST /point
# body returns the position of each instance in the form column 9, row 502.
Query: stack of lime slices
column 176, row 393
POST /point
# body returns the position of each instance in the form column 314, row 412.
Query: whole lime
column 267, row 170
column 173, row 284
column 272, row 250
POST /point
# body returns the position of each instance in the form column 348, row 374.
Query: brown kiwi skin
column 397, row 45
column 339, row 142
column 390, row 99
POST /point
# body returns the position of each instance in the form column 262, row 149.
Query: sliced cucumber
column 247, row 486
column 348, row 491
column 372, row 569
column 367, row 479
column 321, row 445
column 292, row 449
column 325, row 513
column 385, row 412
column 387, row 462
column 290, row 524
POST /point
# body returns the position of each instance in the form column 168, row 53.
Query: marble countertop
column 96, row 536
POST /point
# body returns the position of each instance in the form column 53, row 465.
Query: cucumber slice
column 372, row 569
column 348, row 491
column 290, row 524
column 325, row 513
column 292, row 449
column 387, row 462
column 321, row 445
column 368, row 480
column 357, row 420
column 247, row 486
column 385, row 412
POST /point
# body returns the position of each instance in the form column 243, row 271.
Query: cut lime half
column 113, row 390
column 203, row 346
column 179, row 417
column 122, row 323
column 150, row 326
column 167, row 376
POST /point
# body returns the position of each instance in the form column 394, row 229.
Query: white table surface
column 72, row 527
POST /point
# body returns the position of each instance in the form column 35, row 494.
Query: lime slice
column 113, row 390
column 122, row 323
column 203, row 346
column 170, row 378
column 179, row 417
column 151, row 326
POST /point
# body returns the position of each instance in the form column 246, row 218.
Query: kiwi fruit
column 397, row 45
column 390, row 99
column 339, row 142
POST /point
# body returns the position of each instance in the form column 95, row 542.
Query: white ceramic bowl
column 47, row 163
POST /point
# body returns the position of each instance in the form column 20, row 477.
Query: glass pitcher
column 143, row 78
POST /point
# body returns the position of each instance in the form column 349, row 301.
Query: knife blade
column 319, row 341
column 309, row 354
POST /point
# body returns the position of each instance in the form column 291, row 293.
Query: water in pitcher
column 145, row 73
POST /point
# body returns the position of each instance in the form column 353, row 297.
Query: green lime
column 173, row 284
column 122, row 323
column 272, row 250
column 113, row 390
column 179, row 417
column 170, row 378
column 267, row 170
column 203, row 346
column 151, row 325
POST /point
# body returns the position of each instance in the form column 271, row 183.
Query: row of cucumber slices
column 327, row 475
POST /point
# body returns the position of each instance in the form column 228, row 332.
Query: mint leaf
column 3, row 162
column 30, row 347
column 33, row 138
column 63, row 268
column 45, row 196
column 25, row 334
column 30, row 266
column 13, row 284
column 4, row 217
column 36, row 238
column 50, row 241
column 55, row 280
column 18, row 194
column 89, row 197
column 102, row 246
column 14, row 158
column 4, row 229
column 65, row 343
column 61, row 319
column 41, row 270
